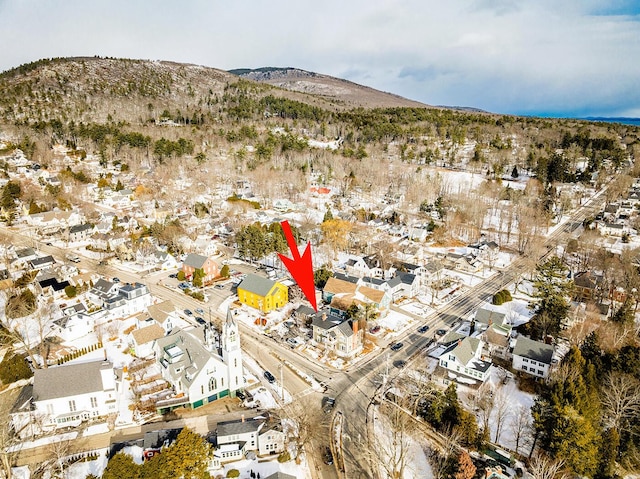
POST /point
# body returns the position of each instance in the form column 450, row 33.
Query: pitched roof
column 68, row 380
column 466, row 349
column 280, row 475
column 528, row 348
column 256, row 284
column 485, row 316
column 195, row 260
column 227, row 428
column 161, row 311
column 147, row 334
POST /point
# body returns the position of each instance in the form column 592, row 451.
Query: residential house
column 23, row 256
column 532, row 357
column 365, row 266
column 43, row 262
column 585, row 286
column 164, row 314
column 280, row 475
column 262, row 293
column 80, row 232
column 74, row 323
column 405, row 285
column 487, row 317
column 418, row 234
column 205, row 264
column 51, row 287
column 255, row 434
column 201, row 365
column 141, row 340
column 335, row 333
column 341, row 294
column 67, row 395
column 51, row 222
column 103, row 290
column 463, row 262
column 132, row 298
column 463, row 361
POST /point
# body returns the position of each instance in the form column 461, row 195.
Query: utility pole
column 282, row 381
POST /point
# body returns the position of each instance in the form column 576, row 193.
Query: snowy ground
column 417, row 465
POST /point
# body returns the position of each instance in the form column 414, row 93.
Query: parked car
column 200, row 311
column 269, row 377
column 400, row 363
column 329, row 404
column 423, row 329
column 441, row 332
column 188, row 312
column 241, row 395
column 200, row 320
column 328, row 457
column 374, row 329
column 396, row 346
column 219, row 286
column 173, row 275
column 115, row 280
column 292, row 342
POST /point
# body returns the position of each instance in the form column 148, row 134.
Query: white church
column 202, row 364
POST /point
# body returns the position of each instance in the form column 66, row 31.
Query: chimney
column 242, row 417
column 324, row 316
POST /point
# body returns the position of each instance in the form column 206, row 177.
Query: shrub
column 181, row 276
column 233, row 473
column 224, row 272
column 284, row 457
column 70, row 291
column 13, row 368
column 502, row 297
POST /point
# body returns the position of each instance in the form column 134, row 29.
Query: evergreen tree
column 328, row 215
column 121, row 466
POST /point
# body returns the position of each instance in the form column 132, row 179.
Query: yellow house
column 262, row 293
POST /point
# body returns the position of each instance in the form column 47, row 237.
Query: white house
column 251, row 435
column 74, row 323
column 163, row 314
column 464, row 358
column 532, row 357
column 131, row 298
column 67, row 395
column 201, row 364
column 141, row 340
column 337, row 334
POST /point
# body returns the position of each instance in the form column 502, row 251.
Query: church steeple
column 231, row 352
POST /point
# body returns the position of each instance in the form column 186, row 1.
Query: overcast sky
column 541, row 57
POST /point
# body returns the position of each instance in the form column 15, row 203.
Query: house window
column 524, row 368
column 72, row 405
column 525, row 360
column 94, row 403
column 540, row 373
column 213, row 384
column 235, row 362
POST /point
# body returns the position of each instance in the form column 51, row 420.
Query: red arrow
column 301, row 268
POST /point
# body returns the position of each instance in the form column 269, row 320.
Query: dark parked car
column 329, row 404
column 200, row 320
column 374, row 329
column 400, row 363
column 423, row 329
column 188, row 312
column 269, row 377
column 441, row 332
column 241, row 395
column 396, row 346
column 116, row 280
column 328, row 457
column 173, row 275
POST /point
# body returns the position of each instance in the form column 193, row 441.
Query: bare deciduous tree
column 501, row 411
column 542, row 466
column 620, row 400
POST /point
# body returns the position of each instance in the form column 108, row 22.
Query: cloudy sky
column 539, row 57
